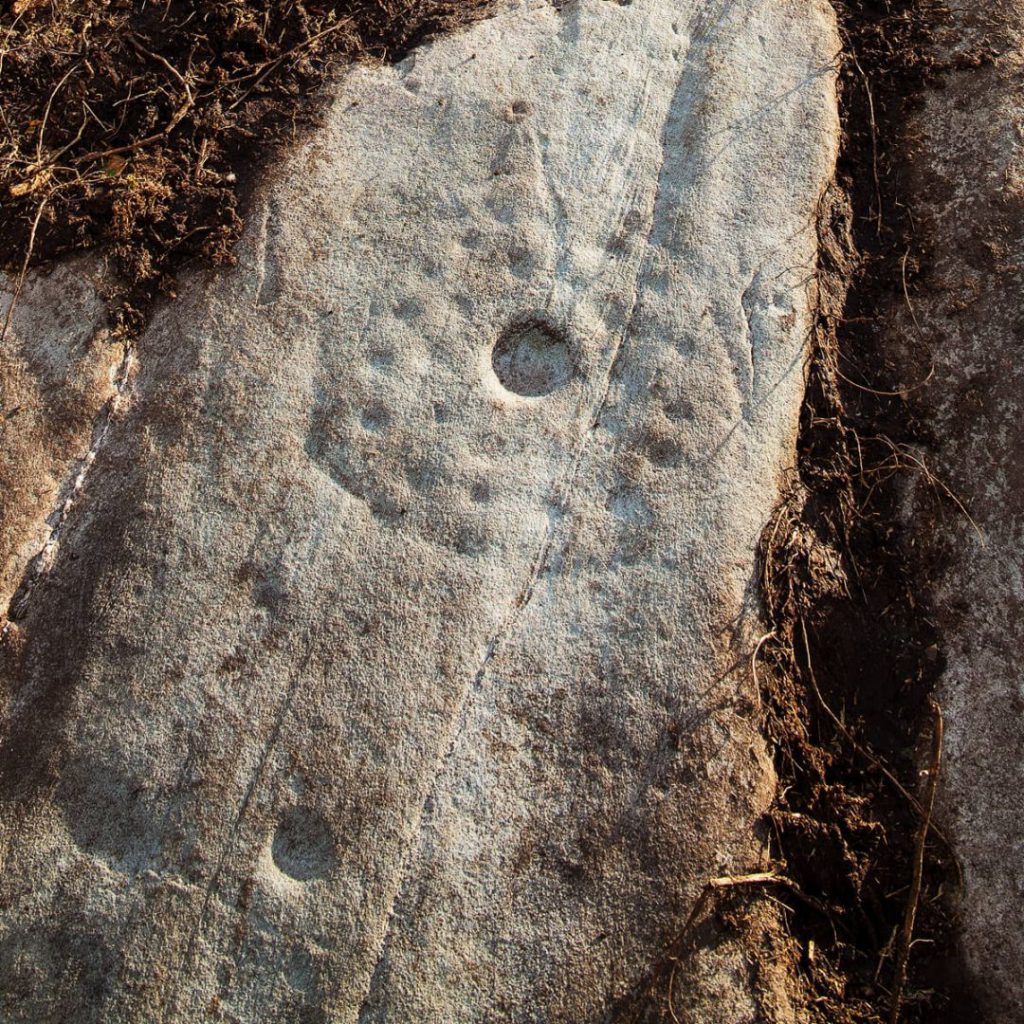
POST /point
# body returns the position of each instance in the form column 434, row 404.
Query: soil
column 134, row 126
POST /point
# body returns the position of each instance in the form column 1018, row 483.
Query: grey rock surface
column 967, row 195
column 59, row 378
column 394, row 661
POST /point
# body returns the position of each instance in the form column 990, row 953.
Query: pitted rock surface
column 394, row 662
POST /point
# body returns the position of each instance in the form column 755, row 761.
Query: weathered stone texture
column 367, row 688
column 58, row 372
column 967, row 194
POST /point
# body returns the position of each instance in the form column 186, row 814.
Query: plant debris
column 852, row 659
column 133, row 126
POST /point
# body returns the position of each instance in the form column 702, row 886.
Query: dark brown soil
column 134, row 125
column 855, row 657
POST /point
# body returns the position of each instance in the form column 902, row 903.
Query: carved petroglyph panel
column 405, row 603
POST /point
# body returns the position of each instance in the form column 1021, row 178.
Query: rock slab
column 393, row 665
column 967, row 193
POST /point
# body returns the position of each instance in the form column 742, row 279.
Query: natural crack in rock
column 61, row 380
column 393, row 666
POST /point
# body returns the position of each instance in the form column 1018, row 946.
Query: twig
column 10, row 31
column 262, row 72
column 186, row 105
column 874, row 138
column 23, row 273
column 78, row 138
column 914, row 898
column 46, row 114
column 753, row 662
column 141, row 143
column 139, row 48
column 910, row 305
column 716, row 885
column 887, row 394
column 902, row 450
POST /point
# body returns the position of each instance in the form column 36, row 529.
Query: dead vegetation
column 133, row 126
column 852, row 660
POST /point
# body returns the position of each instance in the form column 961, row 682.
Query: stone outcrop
column 392, row 661
column 959, row 347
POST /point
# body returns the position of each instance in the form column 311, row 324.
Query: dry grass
column 133, row 126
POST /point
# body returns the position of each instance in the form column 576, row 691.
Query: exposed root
column 914, row 899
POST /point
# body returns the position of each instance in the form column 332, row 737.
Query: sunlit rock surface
column 393, row 664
